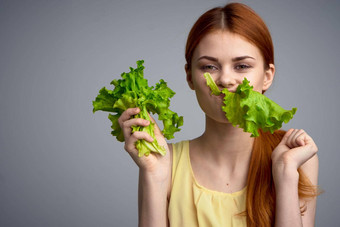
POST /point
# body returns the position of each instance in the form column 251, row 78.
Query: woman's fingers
column 286, row 136
column 126, row 121
column 296, row 147
column 133, row 122
column 296, row 138
column 302, row 138
column 133, row 138
column 302, row 146
column 291, row 138
column 127, row 114
column 136, row 122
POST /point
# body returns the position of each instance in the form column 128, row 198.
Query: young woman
column 225, row 177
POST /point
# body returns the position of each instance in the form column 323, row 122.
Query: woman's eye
column 242, row 67
column 209, row 67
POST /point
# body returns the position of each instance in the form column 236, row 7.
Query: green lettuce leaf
column 133, row 91
column 251, row 110
column 211, row 83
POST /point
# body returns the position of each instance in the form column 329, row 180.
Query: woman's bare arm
column 154, row 171
column 152, row 201
column 297, row 149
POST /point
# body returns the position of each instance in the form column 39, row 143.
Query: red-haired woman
column 225, row 177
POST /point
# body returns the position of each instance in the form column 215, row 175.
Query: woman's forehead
column 225, row 44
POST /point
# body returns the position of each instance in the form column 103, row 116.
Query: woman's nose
column 226, row 80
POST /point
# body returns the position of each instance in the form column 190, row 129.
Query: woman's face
column 229, row 58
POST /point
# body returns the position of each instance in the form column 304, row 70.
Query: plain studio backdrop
column 59, row 164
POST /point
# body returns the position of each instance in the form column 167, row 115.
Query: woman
column 225, row 177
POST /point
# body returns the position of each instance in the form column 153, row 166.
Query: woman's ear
column 268, row 77
column 189, row 76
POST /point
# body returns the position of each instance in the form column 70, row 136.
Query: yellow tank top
column 194, row 205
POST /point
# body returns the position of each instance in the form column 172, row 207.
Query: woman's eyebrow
column 241, row 58
column 208, row 57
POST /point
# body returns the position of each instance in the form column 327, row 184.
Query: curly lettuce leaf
column 133, row 91
column 104, row 101
column 251, row 110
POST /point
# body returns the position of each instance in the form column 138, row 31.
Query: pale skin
column 228, row 58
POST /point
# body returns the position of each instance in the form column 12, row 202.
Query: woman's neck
column 225, row 144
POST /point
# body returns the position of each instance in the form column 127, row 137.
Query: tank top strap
column 180, row 156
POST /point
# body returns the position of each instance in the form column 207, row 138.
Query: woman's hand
column 295, row 148
column 154, row 170
column 155, row 165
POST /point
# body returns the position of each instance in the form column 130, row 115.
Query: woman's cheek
column 258, row 88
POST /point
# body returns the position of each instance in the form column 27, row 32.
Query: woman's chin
column 220, row 118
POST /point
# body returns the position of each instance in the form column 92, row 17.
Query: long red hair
column 242, row 20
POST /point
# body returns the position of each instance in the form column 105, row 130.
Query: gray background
column 59, row 165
